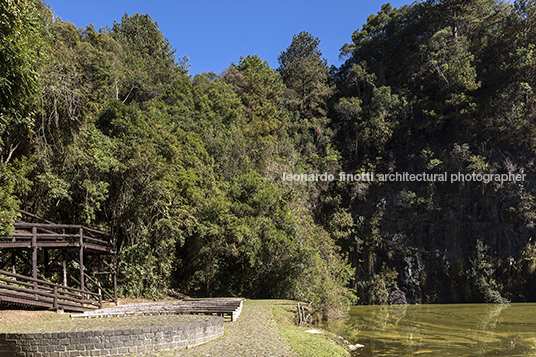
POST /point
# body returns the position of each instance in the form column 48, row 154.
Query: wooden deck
column 42, row 250
column 221, row 307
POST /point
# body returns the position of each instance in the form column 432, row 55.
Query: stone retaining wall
column 112, row 342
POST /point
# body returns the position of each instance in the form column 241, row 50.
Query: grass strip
column 303, row 343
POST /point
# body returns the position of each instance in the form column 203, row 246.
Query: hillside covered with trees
column 106, row 128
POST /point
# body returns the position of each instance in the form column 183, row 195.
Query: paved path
column 254, row 334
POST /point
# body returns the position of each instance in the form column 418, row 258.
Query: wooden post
column 34, row 252
column 34, row 258
column 82, row 285
column 45, row 270
column 64, row 264
column 55, row 298
column 13, row 258
column 114, row 263
column 13, row 262
column 100, row 294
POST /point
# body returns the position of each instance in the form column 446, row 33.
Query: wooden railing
column 48, row 235
column 21, row 289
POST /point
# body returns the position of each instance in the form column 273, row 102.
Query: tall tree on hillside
column 260, row 89
column 383, row 44
column 305, row 73
column 150, row 58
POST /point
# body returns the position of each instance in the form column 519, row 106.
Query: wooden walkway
column 221, row 307
column 28, row 292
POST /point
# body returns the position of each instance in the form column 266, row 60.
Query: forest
column 107, row 128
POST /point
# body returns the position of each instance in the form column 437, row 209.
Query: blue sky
column 213, row 34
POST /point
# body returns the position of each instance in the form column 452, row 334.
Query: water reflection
column 441, row 330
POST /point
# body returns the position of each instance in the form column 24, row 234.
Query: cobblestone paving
column 254, row 334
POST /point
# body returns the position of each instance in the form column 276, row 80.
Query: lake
column 440, row 330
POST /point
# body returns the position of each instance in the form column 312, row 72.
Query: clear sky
column 213, row 34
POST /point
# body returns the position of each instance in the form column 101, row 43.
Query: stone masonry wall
column 111, row 342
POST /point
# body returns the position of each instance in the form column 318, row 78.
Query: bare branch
column 11, row 151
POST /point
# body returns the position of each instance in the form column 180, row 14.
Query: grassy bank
column 303, row 343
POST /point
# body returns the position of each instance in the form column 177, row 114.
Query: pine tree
column 305, row 73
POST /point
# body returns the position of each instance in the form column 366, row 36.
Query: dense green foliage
column 439, row 87
column 107, row 128
column 110, row 131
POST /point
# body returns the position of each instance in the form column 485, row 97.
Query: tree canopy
column 106, row 128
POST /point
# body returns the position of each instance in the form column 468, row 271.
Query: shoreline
column 264, row 328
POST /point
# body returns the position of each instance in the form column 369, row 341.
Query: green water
column 441, row 330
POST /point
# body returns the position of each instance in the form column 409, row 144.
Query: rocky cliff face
column 447, row 242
